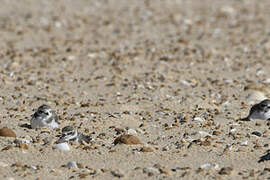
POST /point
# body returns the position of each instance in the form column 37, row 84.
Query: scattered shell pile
column 159, row 86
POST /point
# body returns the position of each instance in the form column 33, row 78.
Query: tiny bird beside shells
column 70, row 133
column 259, row 111
column 44, row 117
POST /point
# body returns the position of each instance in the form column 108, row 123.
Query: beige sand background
column 178, row 72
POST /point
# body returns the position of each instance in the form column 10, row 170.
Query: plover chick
column 70, row 133
column 259, row 111
column 44, row 117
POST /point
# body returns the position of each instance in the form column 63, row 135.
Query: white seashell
column 205, row 166
column 10, row 178
column 203, row 133
column 33, row 167
column 245, row 143
column 2, row 164
column 259, row 72
column 233, row 130
column 71, row 164
column 209, row 165
column 267, row 80
column 62, row 146
column 198, row 119
column 235, row 124
column 151, row 170
column 132, row 132
column 91, row 55
column 226, row 103
column 186, row 83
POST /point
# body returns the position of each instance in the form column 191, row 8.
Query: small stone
column 6, row 132
column 127, row 139
column 80, row 165
column 23, row 146
column 206, row 143
column 18, row 164
column 225, row 171
column 7, row 148
column 150, row 171
column 164, row 170
column 117, row 173
column 216, row 133
column 146, row 149
column 256, row 133
column 82, row 176
column 71, row 164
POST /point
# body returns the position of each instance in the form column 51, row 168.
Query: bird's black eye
column 69, row 133
column 46, row 113
column 263, row 105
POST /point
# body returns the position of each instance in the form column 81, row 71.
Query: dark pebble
column 256, row 133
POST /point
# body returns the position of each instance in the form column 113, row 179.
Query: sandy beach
column 176, row 75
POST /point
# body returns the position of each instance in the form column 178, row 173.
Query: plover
column 70, row 133
column 44, row 117
column 259, row 111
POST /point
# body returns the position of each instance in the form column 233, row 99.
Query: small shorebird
column 259, row 111
column 70, row 133
column 44, row 117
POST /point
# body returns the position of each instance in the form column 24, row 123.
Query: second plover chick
column 259, row 111
column 44, row 117
column 70, row 133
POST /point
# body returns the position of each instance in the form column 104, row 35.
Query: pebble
column 225, row 171
column 117, row 173
column 164, row 170
column 256, row 133
column 23, row 146
column 146, row 149
column 6, row 132
column 62, row 146
column 71, row 164
column 150, row 171
column 127, row 139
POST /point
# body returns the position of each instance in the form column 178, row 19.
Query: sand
column 176, row 74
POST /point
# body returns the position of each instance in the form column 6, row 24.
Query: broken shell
column 62, row 146
column 71, row 164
